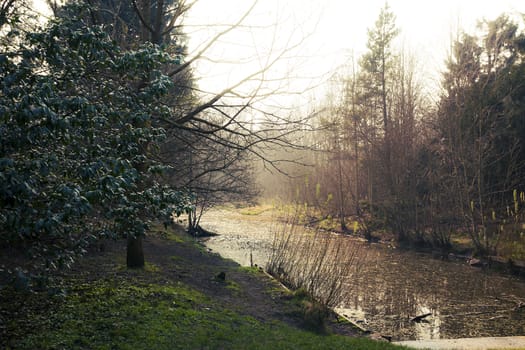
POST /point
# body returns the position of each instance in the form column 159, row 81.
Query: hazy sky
column 326, row 32
column 333, row 29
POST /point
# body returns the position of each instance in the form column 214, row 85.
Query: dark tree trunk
column 135, row 253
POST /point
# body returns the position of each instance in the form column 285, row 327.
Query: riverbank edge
column 457, row 252
column 364, row 331
column 174, row 260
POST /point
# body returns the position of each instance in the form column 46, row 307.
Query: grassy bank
column 510, row 247
column 177, row 302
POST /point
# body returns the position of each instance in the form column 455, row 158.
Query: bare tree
column 211, row 134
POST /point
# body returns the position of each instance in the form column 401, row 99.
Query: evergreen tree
column 479, row 124
column 75, row 133
column 376, row 69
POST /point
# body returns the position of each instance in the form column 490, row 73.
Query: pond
column 393, row 286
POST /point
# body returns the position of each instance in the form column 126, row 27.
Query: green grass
column 168, row 233
column 251, row 270
column 118, row 315
column 141, row 309
column 148, row 267
column 329, row 224
column 256, row 210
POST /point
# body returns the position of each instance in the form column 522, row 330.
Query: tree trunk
column 341, row 194
column 145, row 10
column 135, row 253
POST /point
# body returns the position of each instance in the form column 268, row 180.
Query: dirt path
column 243, row 290
column 247, row 293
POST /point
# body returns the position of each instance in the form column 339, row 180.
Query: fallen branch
column 420, row 317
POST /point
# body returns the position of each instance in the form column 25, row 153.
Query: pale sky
column 326, row 32
column 332, row 29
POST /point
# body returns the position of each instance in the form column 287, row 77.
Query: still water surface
column 394, row 286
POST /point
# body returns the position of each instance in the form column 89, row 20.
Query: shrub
column 320, row 263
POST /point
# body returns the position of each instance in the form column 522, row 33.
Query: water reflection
column 394, row 286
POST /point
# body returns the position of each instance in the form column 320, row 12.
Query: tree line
column 104, row 130
column 424, row 166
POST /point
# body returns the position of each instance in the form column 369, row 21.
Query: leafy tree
column 211, row 137
column 7, row 12
column 479, row 124
column 15, row 16
column 123, row 98
column 75, row 138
